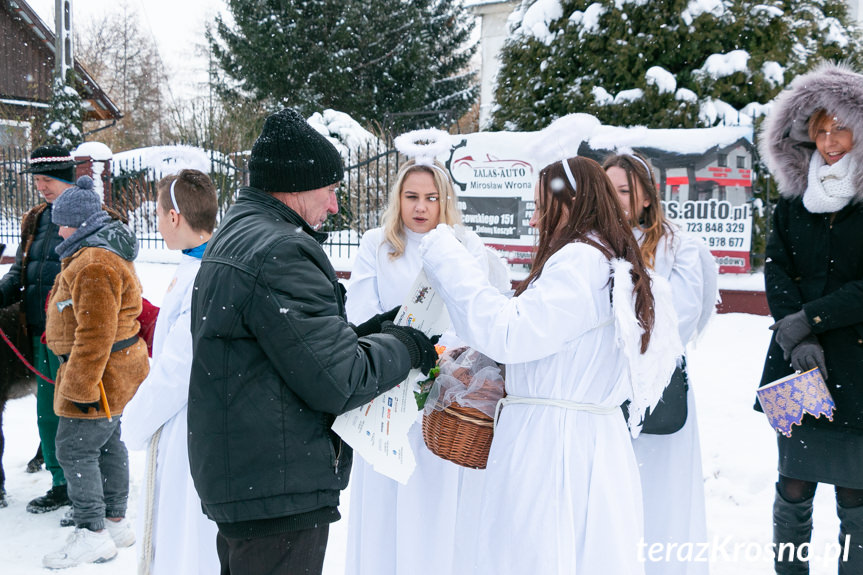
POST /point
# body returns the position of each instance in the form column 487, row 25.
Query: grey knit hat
column 76, row 204
column 291, row 156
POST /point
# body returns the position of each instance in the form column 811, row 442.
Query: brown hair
column 818, row 118
column 196, row 198
column 652, row 222
column 392, row 219
column 591, row 214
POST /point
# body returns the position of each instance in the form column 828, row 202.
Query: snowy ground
column 738, row 450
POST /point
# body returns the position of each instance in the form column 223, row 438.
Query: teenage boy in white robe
column 175, row 535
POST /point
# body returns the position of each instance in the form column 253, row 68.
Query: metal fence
column 134, row 193
column 369, row 175
column 17, row 193
column 363, row 194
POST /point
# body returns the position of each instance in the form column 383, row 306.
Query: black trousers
column 300, row 552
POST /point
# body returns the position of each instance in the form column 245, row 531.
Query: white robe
column 184, row 539
column 672, row 481
column 417, row 528
column 562, row 492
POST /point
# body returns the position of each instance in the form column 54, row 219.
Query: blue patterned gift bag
column 786, row 400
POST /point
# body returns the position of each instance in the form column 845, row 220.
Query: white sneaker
column 121, row 532
column 82, row 546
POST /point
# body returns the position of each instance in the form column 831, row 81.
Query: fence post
column 97, row 164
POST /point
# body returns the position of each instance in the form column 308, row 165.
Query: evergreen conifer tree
column 65, row 118
column 662, row 63
column 368, row 59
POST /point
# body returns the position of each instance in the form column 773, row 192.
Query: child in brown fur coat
column 92, row 327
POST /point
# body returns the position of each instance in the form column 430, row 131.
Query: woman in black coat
column 814, row 285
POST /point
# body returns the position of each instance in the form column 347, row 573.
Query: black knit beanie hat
column 53, row 161
column 291, row 156
column 76, row 204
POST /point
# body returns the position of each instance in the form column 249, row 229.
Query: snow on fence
column 369, row 173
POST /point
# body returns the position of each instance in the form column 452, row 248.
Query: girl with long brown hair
column 585, row 332
column 667, row 450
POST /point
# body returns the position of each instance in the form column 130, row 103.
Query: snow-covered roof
column 564, row 137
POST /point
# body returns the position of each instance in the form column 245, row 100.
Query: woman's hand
column 791, row 330
column 808, row 355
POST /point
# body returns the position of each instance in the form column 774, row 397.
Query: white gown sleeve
column 166, row 389
column 693, row 284
column 363, row 300
column 687, row 285
column 556, row 309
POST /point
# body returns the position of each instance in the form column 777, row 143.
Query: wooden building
column 27, row 71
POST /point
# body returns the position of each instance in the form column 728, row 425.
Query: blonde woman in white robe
column 415, row 528
column 672, row 479
column 174, row 534
column 582, row 334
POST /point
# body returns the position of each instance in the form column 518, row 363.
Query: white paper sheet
column 378, row 431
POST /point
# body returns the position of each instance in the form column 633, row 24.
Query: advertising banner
column 704, row 179
column 724, row 228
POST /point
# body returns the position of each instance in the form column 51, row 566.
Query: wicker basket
column 459, row 434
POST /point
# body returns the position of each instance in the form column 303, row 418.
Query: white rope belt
column 589, row 407
column 146, row 560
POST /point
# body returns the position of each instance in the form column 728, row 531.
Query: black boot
column 792, row 526
column 35, row 464
column 850, row 540
column 54, row 499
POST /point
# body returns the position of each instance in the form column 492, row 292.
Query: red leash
column 21, row 356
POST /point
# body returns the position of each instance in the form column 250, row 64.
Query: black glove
column 420, row 347
column 373, row 325
column 85, row 407
column 808, row 355
column 790, row 330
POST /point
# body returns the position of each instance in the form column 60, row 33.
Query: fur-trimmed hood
column 784, row 143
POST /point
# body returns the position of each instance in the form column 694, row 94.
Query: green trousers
column 47, row 364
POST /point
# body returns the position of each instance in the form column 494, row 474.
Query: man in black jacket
column 274, row 360
column 30, row 278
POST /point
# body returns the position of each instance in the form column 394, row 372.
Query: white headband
column 432, row 165
column 569, row 175
column 173, row 197
column 642, row 162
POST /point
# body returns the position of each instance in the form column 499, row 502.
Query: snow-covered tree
column 374, row 60
column 65, row 115
column 662, row 63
